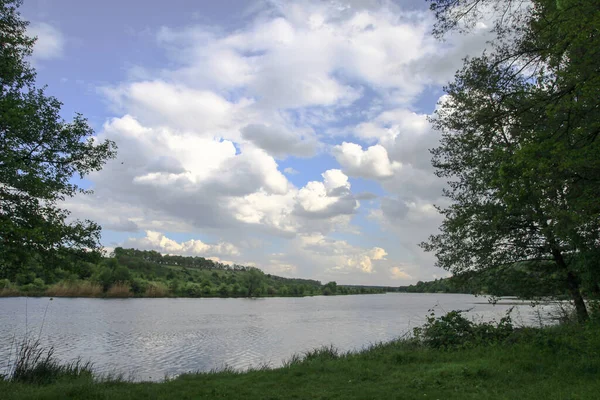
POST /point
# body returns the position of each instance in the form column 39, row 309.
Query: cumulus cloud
column 297, row 210
column 328, row 198
column 200, row 139
column 159, row 242
column 370, row 163
column 159, row 103
column 342, row 256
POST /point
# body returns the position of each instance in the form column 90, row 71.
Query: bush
column 25, row 278
column 84, row 270
column 191, row 290
column 139, row 286
column 452, row 331
column 39, row 284
column 223, row 290
column 121, row 274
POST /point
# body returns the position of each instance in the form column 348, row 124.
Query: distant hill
column 202, row 277
column 142, row 273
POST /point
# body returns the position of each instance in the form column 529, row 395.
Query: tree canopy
column 520, row 146
column 41, row 158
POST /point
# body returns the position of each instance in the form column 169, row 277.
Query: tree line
column 142, row 273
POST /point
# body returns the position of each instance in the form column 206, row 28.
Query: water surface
column 153, row 338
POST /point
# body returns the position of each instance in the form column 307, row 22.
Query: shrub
column 121, row 274
column 453, row 330
column 25, row 278
column 192, row 290
column 85, row 270
column 39, row 284
column 139, row 286
column 223, row 290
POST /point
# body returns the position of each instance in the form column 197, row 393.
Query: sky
column 288, row 135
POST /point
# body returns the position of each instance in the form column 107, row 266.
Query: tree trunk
column 573, row 286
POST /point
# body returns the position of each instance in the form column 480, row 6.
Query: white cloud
column 371, row 163
column 158, row 103
column 341, row 256
column 50, row 41
column 297, row 210
column 398, row 273
column 200, row 139
column 159, row 242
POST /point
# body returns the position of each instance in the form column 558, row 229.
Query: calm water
column 151, row 338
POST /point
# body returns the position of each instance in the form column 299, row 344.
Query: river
column 148, row 339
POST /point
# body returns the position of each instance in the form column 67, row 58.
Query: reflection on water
column 151, row 338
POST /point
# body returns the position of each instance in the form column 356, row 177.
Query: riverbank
column 560, row 362
column 135, row 273
column 157, row 289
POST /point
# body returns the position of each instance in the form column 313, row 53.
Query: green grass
column 552, row 363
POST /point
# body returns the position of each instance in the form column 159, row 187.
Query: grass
column 119, row 289
column 561, row 362
column 35, row 365
column 10, row 292
column 156, row 290
column 75, row 289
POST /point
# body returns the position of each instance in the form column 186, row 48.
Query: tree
column 254, row 280
column 40, row 157
column 330, row 288
column 519, row 143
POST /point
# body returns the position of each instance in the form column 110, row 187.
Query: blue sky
column 290, row 135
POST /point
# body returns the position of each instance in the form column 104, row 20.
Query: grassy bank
column 560, row 362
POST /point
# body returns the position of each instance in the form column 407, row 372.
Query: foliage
column 145, row 274
column 453, row 330
column 40, row 154
column 518, row 146
column 526, row 280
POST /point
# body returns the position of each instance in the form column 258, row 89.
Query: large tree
column 520, row 144
column 41, row 158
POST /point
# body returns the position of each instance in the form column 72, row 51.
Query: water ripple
column 151, row 338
